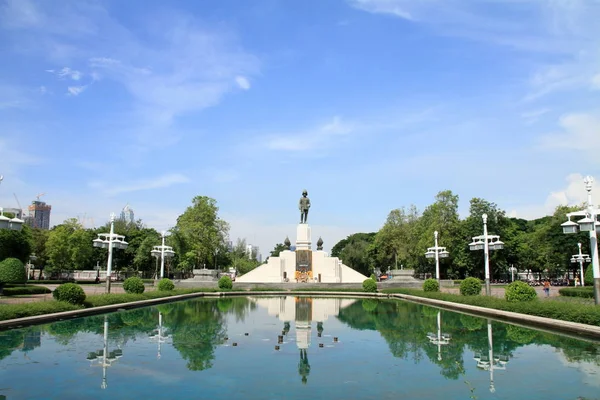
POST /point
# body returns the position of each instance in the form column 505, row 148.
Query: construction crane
column 39, row 195
column 19, row 204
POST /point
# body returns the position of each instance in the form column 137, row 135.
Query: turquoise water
column 330, row 349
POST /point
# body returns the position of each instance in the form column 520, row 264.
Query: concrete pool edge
column 558, row 326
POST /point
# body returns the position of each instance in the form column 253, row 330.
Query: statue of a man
column 304, row 205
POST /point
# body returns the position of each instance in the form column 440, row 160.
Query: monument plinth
column 303, row 239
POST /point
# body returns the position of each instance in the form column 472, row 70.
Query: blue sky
column 368, row 104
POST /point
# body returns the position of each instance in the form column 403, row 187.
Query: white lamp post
column 110, row 240
column 437, row 253
column 162, row 251
column 589, row 224
column 512, row 271
column 580, row 258
column 487, row 243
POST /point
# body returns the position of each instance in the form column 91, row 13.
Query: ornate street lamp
column 162, row 251
column 486, row 243
column 437, row 253
column 580, row 258
column 588, row 223
column 110, row 240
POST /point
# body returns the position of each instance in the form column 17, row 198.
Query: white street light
column 512, row 271
column 110, row 240
column 486, row 243
column 437, row 253
column 163, row 252
column 580, row 258
column 490, row 363
column 588, row 223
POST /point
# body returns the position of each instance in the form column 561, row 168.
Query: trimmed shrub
column 165, row 284
column 225, row 282
column 588, row 276
column 12, row 270
column 369, row 285
column 21, row 290
column 374, row 277
column 586, row 292
column 470, row 287
column 70, row 293
column 519, row 291
column 134, row 285
column 431, row 285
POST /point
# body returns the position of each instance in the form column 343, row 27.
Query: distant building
column 39, row 215
column 230, row 245
column 16, row 211
column 252, row 252
column 127, row 215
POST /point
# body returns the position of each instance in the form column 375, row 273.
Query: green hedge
column 165, row 284
column 12, row 311
column 12, row 270
column 369, row 285
column 470, row 287
column 24, row 290
column 564, row 311
column 225, row 282
column 69, row 292
column 586, row 292
column 519, row 291
column 134, row 285
column 431, row 285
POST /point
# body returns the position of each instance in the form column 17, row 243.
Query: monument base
column 205, row 275
column 303, row 240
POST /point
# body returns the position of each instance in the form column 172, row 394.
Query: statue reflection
column 103, row 357
column 489, row 362
column 440, row 339
column 303, row 330
column 304, row 311
column 159, row 335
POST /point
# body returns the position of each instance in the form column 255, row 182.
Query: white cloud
column 580, row 132
column 533, row 116
column 160, row 182
column 75, row 90
column 69, row 73
column 315, row 138
column 596, row 82
column 242, row 82
column 573, row 193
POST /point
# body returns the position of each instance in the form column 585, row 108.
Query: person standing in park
column 547, row 287
column 576, row 281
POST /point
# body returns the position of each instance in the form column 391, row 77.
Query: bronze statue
column 304, row 205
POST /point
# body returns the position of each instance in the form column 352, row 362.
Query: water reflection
column 104, row 358
column 386, row 346
column 303, row 311
column 159, row 335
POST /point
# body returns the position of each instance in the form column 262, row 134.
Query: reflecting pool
column 293, row 348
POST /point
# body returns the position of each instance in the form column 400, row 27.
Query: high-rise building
column 252, row 252
column 39, row 215
column 127, row 215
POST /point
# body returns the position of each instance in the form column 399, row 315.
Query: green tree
column 356, row 252
column 202, row 231
column 16, row 244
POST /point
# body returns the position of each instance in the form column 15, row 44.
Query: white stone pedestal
column 303, row 240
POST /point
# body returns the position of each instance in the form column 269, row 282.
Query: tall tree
column 202, row 231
